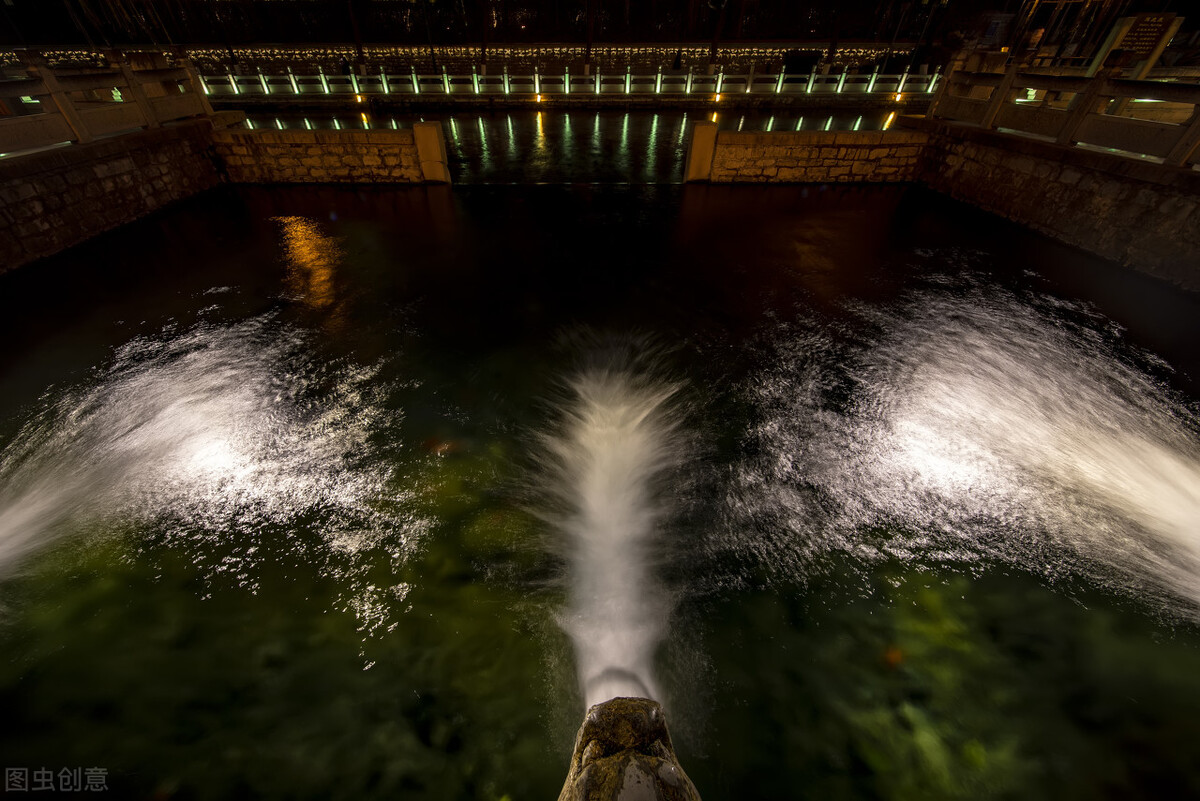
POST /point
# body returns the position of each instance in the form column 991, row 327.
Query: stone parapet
column 817, row 157
column 60, row 197
column 378, row 156
column 1135, row 212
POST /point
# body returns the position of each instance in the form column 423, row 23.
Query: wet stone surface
column 623, row 752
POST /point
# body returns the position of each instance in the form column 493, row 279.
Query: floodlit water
column 606, row 467
column 358, row 493
column 984, row 426
column 217, row 438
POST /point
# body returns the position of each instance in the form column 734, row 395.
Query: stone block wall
column 817, row 157
column 379, row 156
column 52, row 200
column 1137, row 213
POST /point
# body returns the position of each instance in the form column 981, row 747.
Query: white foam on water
column 208, row 438
column 982, row 426
column 614, row 445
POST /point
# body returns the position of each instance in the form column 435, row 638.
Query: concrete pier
column 408, row 156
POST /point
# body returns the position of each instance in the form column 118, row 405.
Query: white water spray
column 208, row 439
column 613, row 449
column 983, row 428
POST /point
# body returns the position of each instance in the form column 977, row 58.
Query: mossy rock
column 623, row 752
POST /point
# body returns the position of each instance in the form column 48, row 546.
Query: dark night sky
column 33, row 22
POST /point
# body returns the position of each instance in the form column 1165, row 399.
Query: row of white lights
column 600, row 54
column 566, row 82
column 366, row 124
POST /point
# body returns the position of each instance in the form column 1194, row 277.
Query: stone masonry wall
column 1140, row 214
column 1136, row 213
column 817, row 156
column 319, row 156
column 52, row 200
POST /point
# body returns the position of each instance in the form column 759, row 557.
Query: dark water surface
column 269, row 524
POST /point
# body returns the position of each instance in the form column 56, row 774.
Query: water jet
column 615, row 445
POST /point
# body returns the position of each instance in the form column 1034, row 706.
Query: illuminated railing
column 48, row 107
column 1158, row 120
column 539, row 86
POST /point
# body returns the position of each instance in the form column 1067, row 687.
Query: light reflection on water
column 313, row 259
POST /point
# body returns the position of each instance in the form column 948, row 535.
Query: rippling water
column 221, row 436
column 971, row 426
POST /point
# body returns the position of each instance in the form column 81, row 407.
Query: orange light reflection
column 313, row 259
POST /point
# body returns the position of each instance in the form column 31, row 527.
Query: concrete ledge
column 578, row 100
column 846, row 138
column 268, row 137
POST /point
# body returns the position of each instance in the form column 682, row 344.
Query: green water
column 345, row 590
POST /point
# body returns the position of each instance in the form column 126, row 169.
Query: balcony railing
column 46, row 107
column 412, row 86
column 1158, row 120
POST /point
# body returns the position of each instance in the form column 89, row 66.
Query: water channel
column 366, row 492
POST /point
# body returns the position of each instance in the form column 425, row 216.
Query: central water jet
column 615, row 449
column 608, row 461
